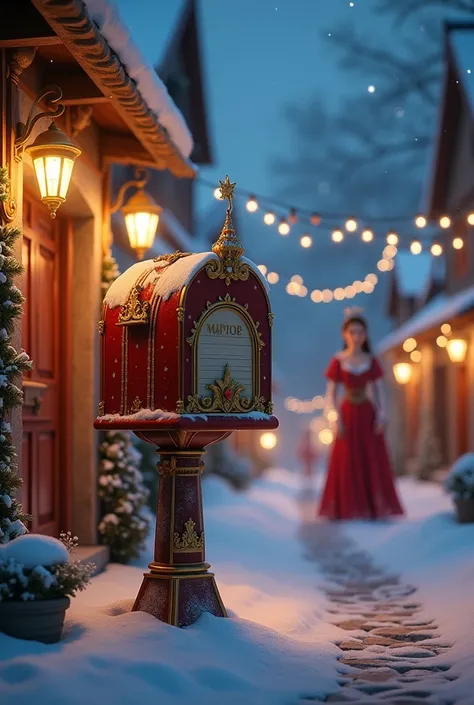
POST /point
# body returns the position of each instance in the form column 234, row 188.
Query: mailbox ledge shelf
column 201, row 422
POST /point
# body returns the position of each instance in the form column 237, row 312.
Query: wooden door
column 44, row 466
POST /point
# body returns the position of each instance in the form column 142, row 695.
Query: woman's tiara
column 353, row 312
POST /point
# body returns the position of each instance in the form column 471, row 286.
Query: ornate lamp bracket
column 51, row 95
column 140, row 181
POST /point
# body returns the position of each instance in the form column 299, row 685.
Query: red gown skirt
column 360, row 482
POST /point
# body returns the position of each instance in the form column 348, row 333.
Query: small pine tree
column 429, row 457
column 12, row 365
column 124, row 526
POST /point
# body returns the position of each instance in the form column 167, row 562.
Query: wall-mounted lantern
column 141, row 213
column 457, row 349
column 52, row 153
column 403, row 372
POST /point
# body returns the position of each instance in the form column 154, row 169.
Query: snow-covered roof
column 412, row 272
column 166, row 278
column 441, row 309
column 462, row 43
column 105, row 14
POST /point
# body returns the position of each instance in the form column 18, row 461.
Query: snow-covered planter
column 460, row 483
column 37, row 580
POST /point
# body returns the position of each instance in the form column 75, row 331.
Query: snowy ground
column 277, row 647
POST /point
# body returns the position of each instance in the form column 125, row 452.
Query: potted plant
column 460, row 483
column 37, row 580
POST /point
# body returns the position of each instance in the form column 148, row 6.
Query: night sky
column 258, row 57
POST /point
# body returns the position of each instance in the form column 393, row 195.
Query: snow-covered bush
column 124, row 525
column 35, row 567
column 460, row 480
column 12, row 365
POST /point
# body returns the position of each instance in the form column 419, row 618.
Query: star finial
column 227, row 189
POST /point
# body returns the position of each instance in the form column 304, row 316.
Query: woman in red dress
column 359, row 483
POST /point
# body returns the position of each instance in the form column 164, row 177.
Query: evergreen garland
column 124, row 526
column 12, row 365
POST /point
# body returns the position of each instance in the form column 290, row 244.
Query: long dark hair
column 366, row 347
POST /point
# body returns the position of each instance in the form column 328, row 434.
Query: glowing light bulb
column 326, row 436
column 420, row 221
column 445, row 222
column 292, row 288
column 327, row 296
column 350, row 292
column 470, row 218
column 269, row 218
column 367, row 236
column 292, row 218
column 283, row 227
column 416, row 247
column 317, row 296
column 302, row 291
column 382, row 265
column 273, row 278
column 367, row 287
column 441, row 341
column 315, row 219
column 306, row 241
column 409, row 345
column 458, row 243
column 351, row 225
column 416, row 356
column 372, row 278
column 339, row 294
column 268, row 440
column 436, row 250
column 337, row 236
column 297, row 278
column 262, row 268
column 217, row 194
column 371, row 89
column 392, row 238
column 390, row 252
column 446, row 329
column 251, row 204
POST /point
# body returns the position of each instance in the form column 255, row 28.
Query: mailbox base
column 180, row 598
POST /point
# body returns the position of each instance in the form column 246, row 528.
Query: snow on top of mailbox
column 167, row 278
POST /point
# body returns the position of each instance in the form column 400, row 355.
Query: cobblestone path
column 391, row 654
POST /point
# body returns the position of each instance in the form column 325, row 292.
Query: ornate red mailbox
column 186, row 360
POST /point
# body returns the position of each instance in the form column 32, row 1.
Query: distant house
column 179, row 66
column 438, row 402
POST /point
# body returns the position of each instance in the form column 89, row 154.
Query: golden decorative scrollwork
column 180, row 312
column 271, row 318
column 228, row 269
column 227, row 299
column 136, row 406
column 269, row 408
column 171, row 258
column 180, row 406
column 134, row 311
column 189, row 541
column 101, row 410
column 101, row 327
column 226, row 397
column 167, row 466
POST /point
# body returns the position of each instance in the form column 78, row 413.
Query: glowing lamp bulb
column 351, row 225
column 402, row 372
column 315, row 219
column 268, row 440
column 470, row 218
column 416, row 247
column 292, row 218
column 283, row 227
column 262, row 268
column 217, row 194
column 252, row 204
column 436, row 250
column 416, row 356
column 337, row 236
column 326, row 436
column 306, row 241
column 457, row 349
column 392, row 239
column 420, row 221
column 269, row 218
column 458, row 243
column 367, row 236
column 441, row 341
column 272, row 278
column 409, row 345
column 446, row 329
column 445, row 222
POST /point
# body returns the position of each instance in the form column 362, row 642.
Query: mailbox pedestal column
column 179, row 588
